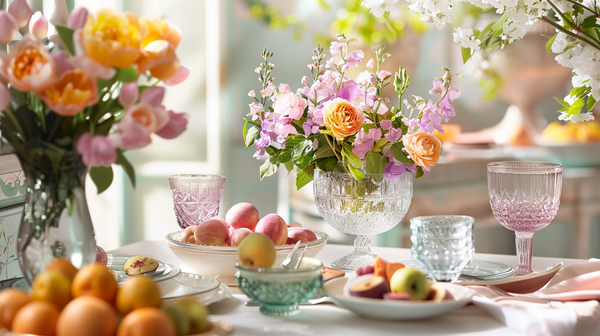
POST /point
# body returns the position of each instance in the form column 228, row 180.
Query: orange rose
column 423, row 148
column 159, row 58
column 73, row 92
column 112, row 38
column 342, row 118
column 29, row 67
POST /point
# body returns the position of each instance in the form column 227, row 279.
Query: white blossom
column 379, row 7
column 576, row 117
column 466, row 39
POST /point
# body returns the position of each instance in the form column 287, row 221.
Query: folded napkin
column 574, row 317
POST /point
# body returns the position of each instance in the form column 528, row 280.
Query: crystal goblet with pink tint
column 525, row 197
column 196, row 198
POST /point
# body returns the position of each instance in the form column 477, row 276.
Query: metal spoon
column 286, row 263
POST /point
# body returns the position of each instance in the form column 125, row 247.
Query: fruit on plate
column 188, row 235
column 101, row 256
column 139, row 265
column 257, row 250
column 148, row 321
column 237, row 236
column 242, row 215
column 373, row 288
column 410, row 281
column 137, row 292
column 37, row 318
column 330, row 273
column 64, row 266
column 380, row 267
column 87, row 316
column 11, row 301
column 303, row 235
column 396, row 296
column 53, row 287
column 366, row 269
column 95, row 280
column 196, row 313
column 214, row 232
column 391, row 268
column 437, row 293
column 274, row 227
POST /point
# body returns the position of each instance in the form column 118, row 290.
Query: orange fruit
column 148, row 321
column 64, row 266
column 11, row 300
column 53, row 287
column 95, row 280
column 138, row 291
column 87, row 316
column 38, row 318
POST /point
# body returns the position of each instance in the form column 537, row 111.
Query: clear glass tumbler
column 524, row 197
column 196, row 198
column 443, row 244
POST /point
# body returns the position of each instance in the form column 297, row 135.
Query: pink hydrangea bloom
column 96, row 151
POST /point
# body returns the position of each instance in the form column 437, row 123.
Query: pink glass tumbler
column 196, row 198
column 524, row 197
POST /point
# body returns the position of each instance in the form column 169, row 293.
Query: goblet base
column 354, row 260
column 279, row 310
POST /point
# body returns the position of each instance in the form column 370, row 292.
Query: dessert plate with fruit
column 124, row 266
column 390, row 291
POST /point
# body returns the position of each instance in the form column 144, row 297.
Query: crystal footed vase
column 372, row 206
column 56, row 222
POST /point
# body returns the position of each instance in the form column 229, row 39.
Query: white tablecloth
column 326, row 319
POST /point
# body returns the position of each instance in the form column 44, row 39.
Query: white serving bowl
column 219, row 261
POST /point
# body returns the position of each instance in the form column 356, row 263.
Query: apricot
column 64, row 266
column 380, row 266
column 95, row 280
column 242, row 215
column 11, row 300
column 147, row 321
column 274, row 227
column 391, row 268
column 187, row 237
column 87, row 316
column 38, row 318
column 213, row 232
column 138, row 292
column 257, row 250
column 53, row 287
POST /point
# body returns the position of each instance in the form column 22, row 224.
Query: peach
column 238, row 235
column 295, row 224
column 212, row 232
column 274, row 227
column 187, row 237
column 303, row 235
column 242, row 215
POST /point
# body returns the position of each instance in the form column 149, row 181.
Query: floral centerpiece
column 76, row 104
column 335, row 118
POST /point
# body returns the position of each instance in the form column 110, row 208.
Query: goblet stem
column 524, row 242
column 360, row 256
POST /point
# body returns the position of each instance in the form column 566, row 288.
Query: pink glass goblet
column 196, row 198
column 524, row 197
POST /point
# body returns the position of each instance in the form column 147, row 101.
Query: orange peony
column 29, row 67
column 342, row 118
column 72, row 93
column 112, row 38
column 424, row 149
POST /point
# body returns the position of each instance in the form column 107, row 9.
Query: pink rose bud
column 153, row 96
column 77, row 18
column 38, row 25
column 96, row 151
column 20, row 11
column 129, row 94
column 180, row 76
column 370, row 64
column 176, row 125
column 9, row 30
column 4, row 97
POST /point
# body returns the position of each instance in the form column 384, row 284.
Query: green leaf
column 127, row 75
column 578, row 92
column 304, row 177
column 589, row 22
column 245, row 131
column 466, row 54
column 500, row 23
column 353, row 159
column 399, row 154
column 549, row 44
column 327, row 164
column 562, row 102
column 127, row 167
column 268, row 168
column 419, row 172
column 375, row 162
column 576, row 106
column 324, row 151
column 357, row 174
column 389, row 27
column 251, row 135
column 289, row 166
column 591, row 102
column 102, row 177
column 272, row 151
column 66, row 35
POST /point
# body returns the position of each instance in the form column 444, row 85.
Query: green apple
column 257, row 250
column 180, row 319
column 410, row 281
column 197, row 314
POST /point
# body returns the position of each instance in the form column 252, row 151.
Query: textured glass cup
column 368, row 207
column 443, row 244
column 196, row 198
column 524, row 197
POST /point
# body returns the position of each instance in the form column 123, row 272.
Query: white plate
column 163, row 272
column 397, row 310
column 187, row 284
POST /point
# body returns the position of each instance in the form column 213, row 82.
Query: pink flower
column 255, row 109
column 386, row 124
column 153, row 96
column 129, row 135
column 438, row 88
column 268, row 91
column 382, row 74
column 20, row 11
column 38, row 25
column 305, row 80
column 176, row 125
column 330, row 63
column 289, row 105
column 337, row 48
column 364, row 77
column 62, row 61
column 129, row 94
column 394, row 135
column 362, row 144
column 284, row 88
column 96, row 151
column 5, row 97
column 180, row 76
column 370, row 64
column 355, row 58
column 77, row 18
column 9, row 30
column 92, row 67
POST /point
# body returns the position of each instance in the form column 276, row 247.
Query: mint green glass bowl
column 278, row 290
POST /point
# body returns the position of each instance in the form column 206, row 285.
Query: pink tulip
column 176, row 125
column 92, row 68
column 4, row 97
column 9, row 30
column 77, row 18
column 162, row 117
column 62, row 61
column 129, row 94
column 96, row 151
column 153, row 96
column 20, row 11
column 129, row 135
column 180, row 76
column 38, row 25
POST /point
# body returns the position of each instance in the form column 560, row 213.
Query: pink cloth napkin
column 575, row 317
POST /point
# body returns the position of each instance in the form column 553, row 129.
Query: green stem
column 10, row 114
column 332, row 147
column 583, row 6
column 573, row 35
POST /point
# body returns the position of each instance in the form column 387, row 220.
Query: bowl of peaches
column 211, row 248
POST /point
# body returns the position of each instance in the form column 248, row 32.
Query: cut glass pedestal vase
column 56, row 221
column 372, row 206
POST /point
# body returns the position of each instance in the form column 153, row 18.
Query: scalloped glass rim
column 524, row 167
column 323, row 237
column 199, row 177
column 318, row 265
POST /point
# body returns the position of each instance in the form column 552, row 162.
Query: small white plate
column 163, row 272
column 187, row 284
column 397, row 310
